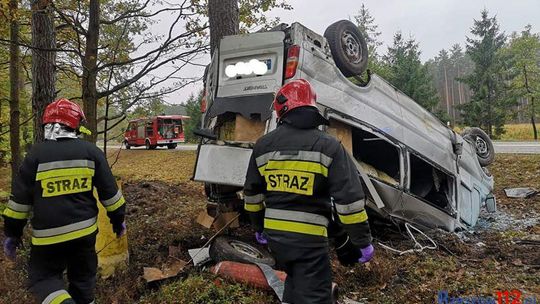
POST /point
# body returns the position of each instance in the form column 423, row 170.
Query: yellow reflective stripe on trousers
column 64, row 233
column 295, row 165
column 289, row 226
column 64, row 172
column 354, row 218
column 253, row 207
column 56, row 297
column 16, row 214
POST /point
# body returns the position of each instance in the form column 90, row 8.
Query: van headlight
column 254, row 66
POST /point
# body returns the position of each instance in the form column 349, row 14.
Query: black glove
column 347, row 253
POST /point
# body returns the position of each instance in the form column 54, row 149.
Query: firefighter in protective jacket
column 54, row 189
column 294, row 173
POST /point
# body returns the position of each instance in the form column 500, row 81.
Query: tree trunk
column 532, row 119
column 89, row 79
column 532, row 101
column 224, row 20
column 446, row 90
column 43, row 62
column 14, row 64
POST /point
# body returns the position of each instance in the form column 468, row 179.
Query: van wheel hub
column 246, row 249
column 481, row 146
column 351, row 47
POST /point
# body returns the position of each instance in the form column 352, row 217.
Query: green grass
column 512, row 132
column 204, row 289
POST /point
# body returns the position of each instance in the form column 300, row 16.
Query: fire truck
column 158, row 131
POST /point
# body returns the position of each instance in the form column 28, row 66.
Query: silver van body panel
column 377, row 107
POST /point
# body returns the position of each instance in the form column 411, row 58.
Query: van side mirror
column 491, row 204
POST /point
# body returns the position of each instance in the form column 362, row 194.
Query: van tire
column 147, row 145
column 126, row 144
column 482, row 144
column 228, row 249
column 348, row 47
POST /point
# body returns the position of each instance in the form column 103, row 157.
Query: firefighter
column 54, row 188
column 293, row 175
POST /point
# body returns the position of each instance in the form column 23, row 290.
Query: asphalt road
column 517, row 147
column 500, row 147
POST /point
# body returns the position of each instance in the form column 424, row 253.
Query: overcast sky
column 435, row 24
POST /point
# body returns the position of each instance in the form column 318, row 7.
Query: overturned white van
column 415, row 168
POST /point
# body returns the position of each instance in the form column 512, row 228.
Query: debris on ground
column 200, row 256
column 171, row 269
column 520, row 192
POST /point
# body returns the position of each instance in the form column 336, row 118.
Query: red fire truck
column 163, row 130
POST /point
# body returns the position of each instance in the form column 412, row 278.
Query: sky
column 435, row 24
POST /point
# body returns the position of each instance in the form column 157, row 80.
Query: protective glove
column 10, row 247
column 346, row 252
column 261, row 239
column 367, row 254
column 120, row 230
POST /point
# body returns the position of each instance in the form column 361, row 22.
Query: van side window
column 378, row 157
column 430, row 183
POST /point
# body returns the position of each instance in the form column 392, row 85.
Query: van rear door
column 250, row 71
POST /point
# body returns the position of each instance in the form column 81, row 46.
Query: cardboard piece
column 224, row 218
column 248, row 129
column 205, row 220
column 342, row 132
column 171, row 269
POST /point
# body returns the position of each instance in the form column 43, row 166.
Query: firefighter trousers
column 48, row 263
column 309, row 274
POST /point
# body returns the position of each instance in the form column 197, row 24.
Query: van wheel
column 147, row 145
column 126, row 144
column 482, row 143
column 348, row 47
column 228, row 249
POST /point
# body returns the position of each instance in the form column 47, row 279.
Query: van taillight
column 203, row 103
column 292, row 61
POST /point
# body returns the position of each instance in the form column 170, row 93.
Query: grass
column 513, row 132
column 163, row 202
column 519, row 132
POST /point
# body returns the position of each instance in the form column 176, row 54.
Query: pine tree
column 488, row 108
column 524, row 52
column 408, row 74
column 367, row 26
column 193, row 109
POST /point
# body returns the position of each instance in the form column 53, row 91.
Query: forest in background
column 104, row 55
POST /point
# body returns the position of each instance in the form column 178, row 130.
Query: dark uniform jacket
column 293, row 173
column 55, row 188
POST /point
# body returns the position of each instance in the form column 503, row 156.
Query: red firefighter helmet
column 65, row 112
column 295, row 94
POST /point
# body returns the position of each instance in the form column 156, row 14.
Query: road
column 517, row 147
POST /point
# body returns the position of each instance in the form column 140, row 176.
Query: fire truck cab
column 164, row 130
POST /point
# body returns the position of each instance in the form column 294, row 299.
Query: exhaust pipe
column 252, row 275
